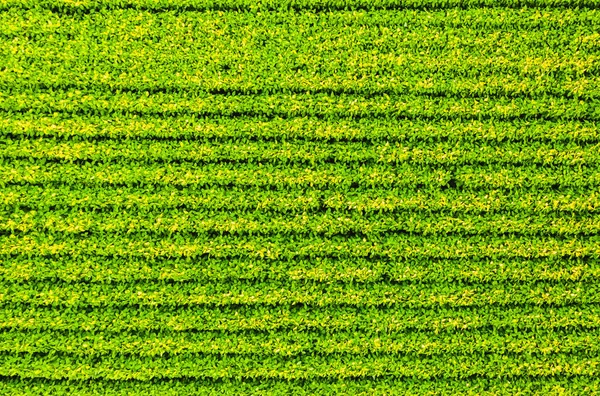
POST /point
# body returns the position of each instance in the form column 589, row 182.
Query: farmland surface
column 299, row 197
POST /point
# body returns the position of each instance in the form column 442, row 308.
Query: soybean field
column 299, row 197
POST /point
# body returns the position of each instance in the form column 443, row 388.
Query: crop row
column 439, row 84
column 302, row 343
column 127, row 52
column 278, row 293
column 328, row 319
column 339, row 177
column 360, row 387
column 69, row 366
column 245, row 130
column 442, row 153
column 131, row 26
column 473, row 386
column 18, row 199
column 264, row 52
column 324, row 5
column 102, row 269
column 327, row 224
column 318, row 34
column 114, row 23
column 456, row 72
column 295, row 105
column 293, row 247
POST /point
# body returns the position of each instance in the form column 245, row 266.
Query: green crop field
column 299, row 197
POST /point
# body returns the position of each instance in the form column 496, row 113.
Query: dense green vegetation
column 299, row 197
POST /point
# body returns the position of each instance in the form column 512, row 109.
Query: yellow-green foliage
column 299, row 197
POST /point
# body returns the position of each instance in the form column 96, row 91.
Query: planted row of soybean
column 282, row 293
column 18, row 199
column 290, row 343
column 315, row 33
column 292, row 247
column 340, row 177
column 71, row 366
column 40, row 21
column 295, row 105
column 326, row 224
column 339, row 65
column 319, row 5
column 446, row 153
column 454, row 74
column 473, row 386
column 366, row 131
column 339, row 56
column 260, row 318
column 101, row 269
column 428, row 84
